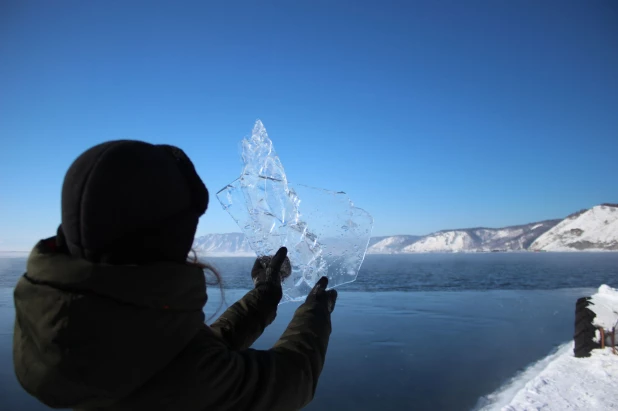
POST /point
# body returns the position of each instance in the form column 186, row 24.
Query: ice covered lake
column 422, row 332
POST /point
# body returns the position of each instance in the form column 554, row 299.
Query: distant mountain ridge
column 594, row 229
column 391, row 245
column 513, row 238
column 222, row 245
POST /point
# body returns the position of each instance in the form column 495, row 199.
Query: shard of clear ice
column 325, row 234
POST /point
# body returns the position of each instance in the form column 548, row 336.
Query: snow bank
column 503, row 397
column 570, row 383
column 563, row 382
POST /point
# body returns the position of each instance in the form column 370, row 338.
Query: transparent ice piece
column 326, row 235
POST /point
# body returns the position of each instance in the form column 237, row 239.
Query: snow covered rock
column 605, row 306
column 595, row 229
column 591, row 314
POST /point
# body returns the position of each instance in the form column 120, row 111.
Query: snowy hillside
column 390, row 245
column 457, row 240
column 591, row 230
column 481, row 239
column 375, row 240
column 220, row 245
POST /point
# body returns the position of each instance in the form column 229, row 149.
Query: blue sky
column 429, row 114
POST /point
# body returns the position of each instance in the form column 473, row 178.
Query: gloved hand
column 268, row 272
column 319, row 295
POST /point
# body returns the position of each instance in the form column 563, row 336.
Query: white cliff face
column 512, row 238
column 390, row 245
column 446, row 241
column 595, row 229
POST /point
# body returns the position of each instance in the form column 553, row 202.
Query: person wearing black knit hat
column 109, row 314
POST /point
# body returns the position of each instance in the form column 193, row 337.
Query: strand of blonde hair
column 209, row 268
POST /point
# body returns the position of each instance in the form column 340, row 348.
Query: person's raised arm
column 282, row 378
column 243, row 323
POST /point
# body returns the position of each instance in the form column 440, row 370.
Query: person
column 109, row 314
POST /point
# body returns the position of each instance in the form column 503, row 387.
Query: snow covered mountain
column 513, row 238
column 471, row 239
column 375, row 240
column 222, row 245
column 593, row 229
column 391, row 245
column 587, row 230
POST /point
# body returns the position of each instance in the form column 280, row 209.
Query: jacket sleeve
column 244, row 322
column 280, row 379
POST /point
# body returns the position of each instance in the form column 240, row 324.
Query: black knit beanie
column 130, row 202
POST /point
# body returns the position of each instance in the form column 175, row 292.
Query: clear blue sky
column 430, row 114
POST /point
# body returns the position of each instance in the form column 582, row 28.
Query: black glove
column 268, row 272
column 319, row 295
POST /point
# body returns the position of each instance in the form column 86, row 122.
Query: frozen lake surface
column 423, row 332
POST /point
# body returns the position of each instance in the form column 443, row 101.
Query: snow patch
column 562, row 382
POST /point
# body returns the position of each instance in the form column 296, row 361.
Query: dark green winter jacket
column 101, row 337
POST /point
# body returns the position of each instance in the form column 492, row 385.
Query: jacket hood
column 131, row 202
column 88, row 335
